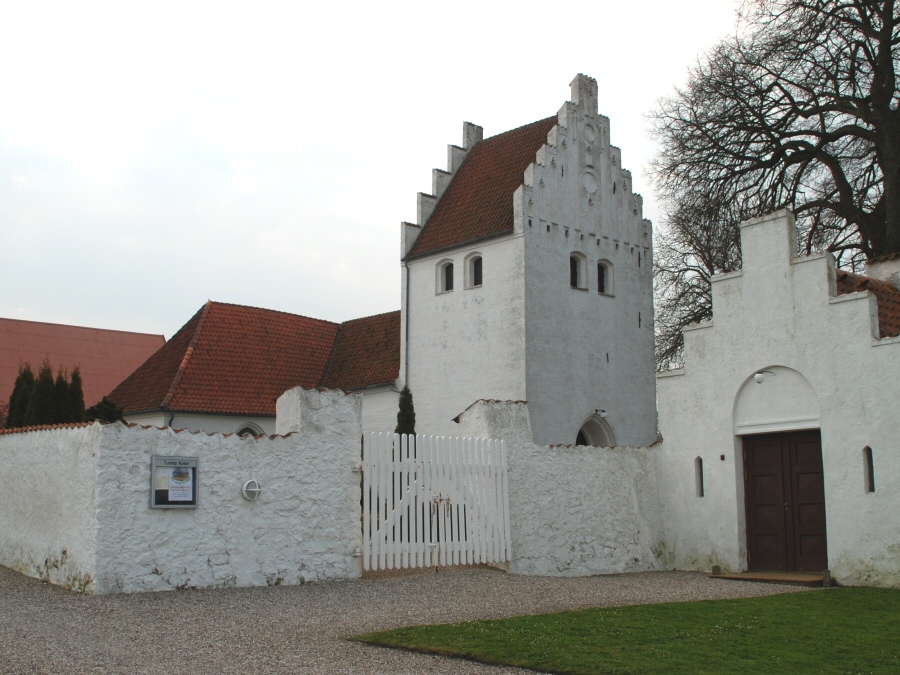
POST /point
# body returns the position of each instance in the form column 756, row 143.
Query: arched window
column 577, row 270
column 250, row 429
column 445, row 276
column 869, row 469
column 604, row 277
column 698, row 477
column 473, row 270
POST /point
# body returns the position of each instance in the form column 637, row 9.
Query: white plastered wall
column 210, row 423
column 48, row 504
column 468, row 343
column 825, row 368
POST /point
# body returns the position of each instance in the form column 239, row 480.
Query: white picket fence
column 433, row 500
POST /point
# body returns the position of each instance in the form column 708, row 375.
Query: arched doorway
column 776, row 414
column 595, row 431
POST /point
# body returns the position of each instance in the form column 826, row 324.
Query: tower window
column 869, row 469
column 473, row 270
column 605, row 277
column 578, row 271
column 445, row 276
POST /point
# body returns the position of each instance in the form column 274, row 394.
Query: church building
column 527, row 276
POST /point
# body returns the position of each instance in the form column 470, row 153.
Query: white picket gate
column 433, row 500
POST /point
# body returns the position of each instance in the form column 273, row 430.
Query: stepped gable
column 104, row 357
column 887, row 295
column 366, row 353
column 230, row 359
column 478, row 202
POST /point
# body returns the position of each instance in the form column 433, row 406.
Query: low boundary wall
column 75, row 504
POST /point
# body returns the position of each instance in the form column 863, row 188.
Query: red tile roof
column 366, row 353
column 231, row 359
column 478, row 202
column 887, row 295
column 105, row 357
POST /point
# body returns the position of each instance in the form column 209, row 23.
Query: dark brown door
column 784, row 491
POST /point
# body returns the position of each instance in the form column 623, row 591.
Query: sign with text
column 173, row 482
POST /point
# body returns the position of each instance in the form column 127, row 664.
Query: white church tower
column 529, row 277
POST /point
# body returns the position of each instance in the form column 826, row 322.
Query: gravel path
column 299, row 629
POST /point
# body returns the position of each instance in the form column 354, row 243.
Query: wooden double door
column 784, row 493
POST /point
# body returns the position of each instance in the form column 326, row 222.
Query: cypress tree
column 62, row 409
column 406, row 415
column 40, row 404
column 76, row 397
column 21, row 395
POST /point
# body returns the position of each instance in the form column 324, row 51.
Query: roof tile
column 478, row 201
column 887, row 295
column 366, row 353
column 104, row 357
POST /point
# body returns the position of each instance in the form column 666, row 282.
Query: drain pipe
column 406, row 331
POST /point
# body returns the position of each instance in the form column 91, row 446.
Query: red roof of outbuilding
column 887, row 295
column 478, row 201
column 366, row 353
column 231, row 359
column 104, row 357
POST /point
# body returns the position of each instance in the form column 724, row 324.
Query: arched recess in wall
column 595, row 431
column 250, row 429
column 773, row 399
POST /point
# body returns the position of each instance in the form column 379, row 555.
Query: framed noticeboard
column 173, row 482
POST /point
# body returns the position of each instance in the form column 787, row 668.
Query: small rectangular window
column 698, row 477
column 573, row 271
column 601, row 278
column 476, row 272
column 869, row 468
column 448, row 277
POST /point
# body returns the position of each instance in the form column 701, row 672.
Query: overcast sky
column 157, row 155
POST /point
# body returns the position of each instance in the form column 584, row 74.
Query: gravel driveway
column 299, row 629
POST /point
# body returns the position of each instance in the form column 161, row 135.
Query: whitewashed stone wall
column 574, row 511
column 85, row 522
column 826, row 370
column 48, row 504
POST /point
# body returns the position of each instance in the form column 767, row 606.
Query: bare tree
column 800, row 110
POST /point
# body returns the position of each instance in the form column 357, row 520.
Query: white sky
column 156, row 155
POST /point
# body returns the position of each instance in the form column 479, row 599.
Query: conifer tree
column 105, row 411
column 40, row 404
column 21, row 395
column 406, row 415
column 76, row 397
column 62, row 409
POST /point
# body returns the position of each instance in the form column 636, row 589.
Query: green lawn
column 838, row 630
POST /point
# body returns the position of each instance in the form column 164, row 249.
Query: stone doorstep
column 811, row 579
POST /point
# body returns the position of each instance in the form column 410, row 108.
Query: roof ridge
column 187, row 355
column 370, row 316
column 334, row 344
column 518, row 128
column 274, row 311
